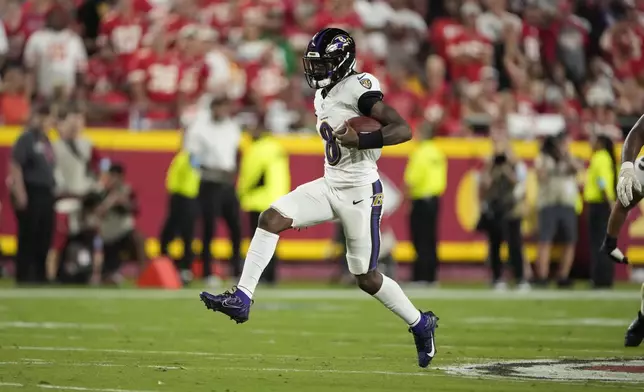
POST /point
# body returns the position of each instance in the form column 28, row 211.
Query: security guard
column 264, row 176
column 182, row 183
column 426, row 179
column 599, row 195
column 32, row 190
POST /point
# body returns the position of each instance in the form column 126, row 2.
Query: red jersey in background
column 193, row 80
column 124, row 34
column 442, row 31
column 160, row 75
column 465, row 53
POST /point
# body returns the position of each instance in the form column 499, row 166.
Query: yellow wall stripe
column 320, row 250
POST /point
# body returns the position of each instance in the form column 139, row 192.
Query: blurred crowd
column 456, row 66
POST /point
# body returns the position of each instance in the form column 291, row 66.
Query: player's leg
column 495, row 239
column 230, row 213
column 547, row 230
column 567, row 217
column 306, row 206
column 361, row 222
column 635, row 332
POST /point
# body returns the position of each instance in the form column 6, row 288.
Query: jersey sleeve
column 365, row 91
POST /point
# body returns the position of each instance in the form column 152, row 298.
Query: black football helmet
column 329, row 57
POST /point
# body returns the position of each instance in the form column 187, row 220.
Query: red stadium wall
column 146, row 157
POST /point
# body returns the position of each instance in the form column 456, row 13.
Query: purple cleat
column 424, row 338
column 235, row 305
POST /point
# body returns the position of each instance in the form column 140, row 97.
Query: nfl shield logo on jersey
column 366, row 83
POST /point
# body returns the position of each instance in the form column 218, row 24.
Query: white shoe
column 213, row 282
column 186, row 276
column 500, row 286
column 524, row 287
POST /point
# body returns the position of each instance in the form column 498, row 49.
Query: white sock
column 261, row 250
column 642, row 303
column 392, row 296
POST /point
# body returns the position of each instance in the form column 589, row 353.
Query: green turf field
column 313, row 340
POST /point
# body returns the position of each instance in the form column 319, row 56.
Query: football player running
column 629, row 193
column 349, row 191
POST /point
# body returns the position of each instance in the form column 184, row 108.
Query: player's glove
column 626, row 183
column 610, row 249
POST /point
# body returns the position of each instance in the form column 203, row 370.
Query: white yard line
column 433, row 372
column 67, row 387
column 320, row 294
column 178, row 353
column 54, row 325
column 227, row 368
column 72, row 388
column 219, row 355
column 10, row 384
column 553, row 322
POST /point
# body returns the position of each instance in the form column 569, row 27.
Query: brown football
column 364, row 124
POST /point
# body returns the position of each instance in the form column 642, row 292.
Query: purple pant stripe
column 376, row 212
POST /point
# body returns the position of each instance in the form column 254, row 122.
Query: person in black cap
column 32, row 190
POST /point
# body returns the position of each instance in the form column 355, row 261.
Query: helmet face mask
column 330, row 57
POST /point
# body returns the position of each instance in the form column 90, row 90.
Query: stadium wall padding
column 147, row 155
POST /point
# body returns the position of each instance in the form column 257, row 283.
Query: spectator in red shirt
column 154, row 79
column 399, row 96
column 299, row 33
column 564, row 37
column 183, row 13
column 108, row 102
column 623, row 45
column 446, row 29
column 337, row 13
column 120, row 35
column 442, row 107
column 529, row 43
column 194, row 70
column 483, row 100
column 469, row 51
column 20, row 21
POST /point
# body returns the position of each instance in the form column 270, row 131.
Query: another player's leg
column 635, row 332
column 305, row 206
column 361, row 224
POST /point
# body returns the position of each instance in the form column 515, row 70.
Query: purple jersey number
column 332, row 149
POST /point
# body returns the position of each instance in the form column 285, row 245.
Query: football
column 639, row 169
column 364, row 124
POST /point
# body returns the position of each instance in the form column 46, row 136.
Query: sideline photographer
column 502, row 193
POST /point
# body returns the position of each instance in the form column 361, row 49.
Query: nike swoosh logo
column 363, row 75
column 433, row 352
column 357, row 202
column 226, row 304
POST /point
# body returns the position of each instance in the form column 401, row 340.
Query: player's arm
column 395, row 129
column 627, row 181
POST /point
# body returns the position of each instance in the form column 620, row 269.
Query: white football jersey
column 345, row 167
column 57, row 56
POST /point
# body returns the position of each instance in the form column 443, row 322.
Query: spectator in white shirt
column 56, row 58
column 213, row 140
column 492, row 23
